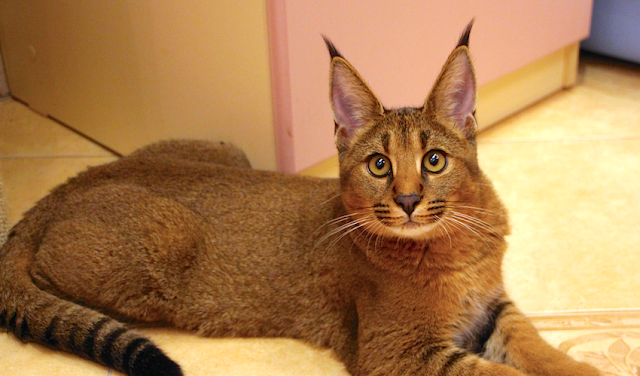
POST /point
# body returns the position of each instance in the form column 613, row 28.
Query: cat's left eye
column 435, row 161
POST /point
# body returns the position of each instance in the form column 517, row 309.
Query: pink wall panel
column 399, row 48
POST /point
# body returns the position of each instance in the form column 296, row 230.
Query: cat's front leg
column 415, row 351
column 516, row 342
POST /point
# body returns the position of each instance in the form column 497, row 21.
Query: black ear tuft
column 333, row 51
column 464, row 38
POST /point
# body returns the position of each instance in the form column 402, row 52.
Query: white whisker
column 342, row 218
column 378, row 236
column 329, row 199
column 457, row 222
column 336, row 231
column 478, row 222
column 356, row 224
column 478, row 210
column 470, row 227
column 446, row 230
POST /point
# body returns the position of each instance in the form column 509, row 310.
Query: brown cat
column 396, row 265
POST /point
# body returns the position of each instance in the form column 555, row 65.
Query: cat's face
column 400, row 175
column 402, row 170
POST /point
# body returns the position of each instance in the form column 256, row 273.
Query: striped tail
column 34, row 315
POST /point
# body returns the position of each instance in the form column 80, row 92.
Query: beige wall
column 129, row 72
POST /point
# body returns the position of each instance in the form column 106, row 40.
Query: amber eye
column 379, row 166
column 434, row 161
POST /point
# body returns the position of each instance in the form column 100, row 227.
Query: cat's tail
column 34, row 315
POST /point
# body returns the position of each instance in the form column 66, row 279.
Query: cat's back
column 212, row 190
column 235, row 205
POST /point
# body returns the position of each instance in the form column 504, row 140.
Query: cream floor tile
column 618, row 78
column 278, row 357
column 605, row 104
column 20, row 359
column 575, row 209
column 25, row 133
column 27, row 180
column 580, row 113
column 608, row 340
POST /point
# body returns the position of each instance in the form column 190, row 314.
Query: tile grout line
column 64, row 125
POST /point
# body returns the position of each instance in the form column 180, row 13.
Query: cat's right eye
column 379, row 166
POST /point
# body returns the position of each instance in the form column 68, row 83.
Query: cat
column 396, row 265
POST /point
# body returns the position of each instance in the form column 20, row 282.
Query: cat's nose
column 408, row 202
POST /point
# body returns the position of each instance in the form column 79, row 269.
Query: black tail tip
column 333, row 51
column 464, row 38
column 153, row 362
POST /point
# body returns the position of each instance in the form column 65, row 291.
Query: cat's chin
column 413, row 230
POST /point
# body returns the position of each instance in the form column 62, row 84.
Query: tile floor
column 568, row 169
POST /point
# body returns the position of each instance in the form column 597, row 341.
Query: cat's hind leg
column 220, row 153
column 46, row 316
column 122, row 249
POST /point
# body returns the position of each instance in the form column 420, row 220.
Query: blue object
column 615, row 29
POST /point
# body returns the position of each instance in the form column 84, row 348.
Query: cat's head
column 401, row 170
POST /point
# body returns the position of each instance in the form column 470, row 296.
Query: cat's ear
column 453, row 97
column 354, row 104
